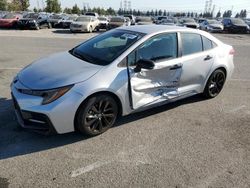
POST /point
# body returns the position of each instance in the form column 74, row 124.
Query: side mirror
column 144, row 64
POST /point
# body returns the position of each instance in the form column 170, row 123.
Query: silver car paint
column 62, row 111
column 55, row 71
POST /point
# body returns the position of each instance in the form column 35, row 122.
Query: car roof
column 151, row 29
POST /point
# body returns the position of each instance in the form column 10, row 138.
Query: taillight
column 232, row 52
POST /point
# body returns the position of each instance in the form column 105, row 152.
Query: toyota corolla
column 119, row 72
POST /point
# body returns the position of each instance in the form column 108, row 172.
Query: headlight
column 48, row 95
column 32, row 21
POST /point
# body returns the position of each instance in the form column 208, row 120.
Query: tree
column 218, row 15
column 110, row 11
column 227, row 14
column 156, row 12
column 237, row 15
column 160, row 12
column 35, row 9
column 67, row 10
column 24, row 4
column 3, row 5
column 164, row 13
column 76, row 10
column 53, row 6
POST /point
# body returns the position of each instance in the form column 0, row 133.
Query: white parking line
column 88, row 168
column 240, row 80
column 14, row 68
column 237, row 109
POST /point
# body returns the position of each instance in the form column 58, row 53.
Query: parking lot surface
column 190, row 143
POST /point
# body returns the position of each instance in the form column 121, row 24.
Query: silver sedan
column 124, row 70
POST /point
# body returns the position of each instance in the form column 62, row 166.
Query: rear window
column 207, row 44
column 191, row 43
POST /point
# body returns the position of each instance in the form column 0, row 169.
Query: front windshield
column 83, row 19
column 102, row 19
column 145, row 19
column 213, row 22
column 32, row 15
column 237, row 21
column 9, row 16
column 56, row 17
column 117, row 19
column 105, row 48
column 188, row 20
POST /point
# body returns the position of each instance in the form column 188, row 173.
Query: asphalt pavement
column 191, row 143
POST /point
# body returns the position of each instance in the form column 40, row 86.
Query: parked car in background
column 34, row 21
column 159, row 19
column 144, row 20
column 85, row 24
column 200, row 20
column 211, row 26
column 126, row 70
column 247, row 21
column 3, row 13
column 168, row 21
column 235, row 25
column 117, row 21
column 55, row 20
column 128, row 21
column 188, row 22
column 92, row 14
column 10, row 20
column 67, row 21
column 103, row 22
column 132, row 18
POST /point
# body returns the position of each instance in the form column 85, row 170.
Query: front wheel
column 90, row 29
column 215, row 84
column 97, row 115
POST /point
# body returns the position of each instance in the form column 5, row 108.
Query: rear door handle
column 175, row 67
column 208, row 57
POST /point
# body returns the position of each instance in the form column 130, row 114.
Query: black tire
column 97, row 115
column 215, row 84
column 90, row 29
column 49, row 25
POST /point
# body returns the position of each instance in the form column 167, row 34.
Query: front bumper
column 32, row 120
column 27, row 25
column 56, row 117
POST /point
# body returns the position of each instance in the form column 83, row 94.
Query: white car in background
column 85, row 24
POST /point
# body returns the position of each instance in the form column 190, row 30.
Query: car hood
column 56, row 71
column 190, row 23
column 117, row 23
column 216, row 25
column 27, row 19
column 7, row 20
column 240, row 25
column 81, row 23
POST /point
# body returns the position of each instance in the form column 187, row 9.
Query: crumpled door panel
column 149, row 86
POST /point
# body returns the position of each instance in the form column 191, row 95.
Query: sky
column 169, row 5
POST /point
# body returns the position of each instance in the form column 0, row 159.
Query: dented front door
column 152, row 86
column 161, row 83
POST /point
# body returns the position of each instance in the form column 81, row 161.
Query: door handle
column 208, row 57
column 175, row 67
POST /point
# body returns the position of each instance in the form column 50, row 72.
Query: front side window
column 158, row 48
column 105, row 48
column 191, row 43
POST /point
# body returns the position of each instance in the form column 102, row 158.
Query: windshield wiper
column 80, row 56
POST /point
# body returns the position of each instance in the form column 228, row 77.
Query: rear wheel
column 215, row 84
column 97, row 115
